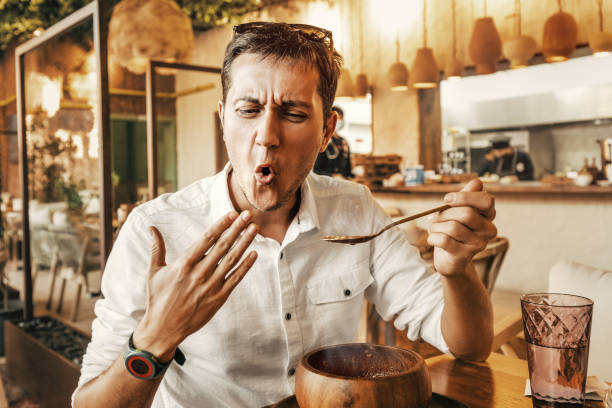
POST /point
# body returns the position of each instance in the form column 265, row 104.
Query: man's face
column 273, row 128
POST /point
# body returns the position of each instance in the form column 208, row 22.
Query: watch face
column 140, row 367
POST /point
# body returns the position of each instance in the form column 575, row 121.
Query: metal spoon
column 357, row 239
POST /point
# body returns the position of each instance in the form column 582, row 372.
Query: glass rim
column 524, row 300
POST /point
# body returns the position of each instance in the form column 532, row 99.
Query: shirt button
column 291, row 371
column 347, row 292
column 281, row 256
column 288, row 316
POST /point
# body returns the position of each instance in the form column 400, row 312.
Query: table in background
column 498, row 382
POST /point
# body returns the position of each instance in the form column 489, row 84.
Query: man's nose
column 268, row 132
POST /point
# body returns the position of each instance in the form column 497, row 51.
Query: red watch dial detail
column 140, row 367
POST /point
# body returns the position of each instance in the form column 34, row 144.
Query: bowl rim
column 414, row 368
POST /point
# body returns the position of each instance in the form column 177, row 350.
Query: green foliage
column 20, row 18
column 70, row 194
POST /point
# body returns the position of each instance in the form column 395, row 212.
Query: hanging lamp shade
column 519, row 50
column 453, row 69
column 425, row 72
column 559, row 37
column 398, row 77
column 361, row 85
column 485, row 46
column 345, row 85
column 601, row 43
column 141, row 30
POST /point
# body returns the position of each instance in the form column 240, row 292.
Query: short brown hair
column 283, row 42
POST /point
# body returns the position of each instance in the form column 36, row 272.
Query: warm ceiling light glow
column 425, row 72
column 424, row 85
column 556, row 58
column 398, row 77
column 43, row 93
column 485, row 46
column 320, row 14
column 454, row 78
column 601, row 54
column 92, row 151
column 38, row 32
column 559, row 37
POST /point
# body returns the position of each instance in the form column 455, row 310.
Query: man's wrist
column 161, row 348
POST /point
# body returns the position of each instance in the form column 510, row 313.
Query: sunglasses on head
column 312, row 32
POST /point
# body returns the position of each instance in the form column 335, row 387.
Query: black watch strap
column 144, row 365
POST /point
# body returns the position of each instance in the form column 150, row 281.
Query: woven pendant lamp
column 361, row 80
column 141, row 30
column 425, row 72
column 345, row 89
column 520, row 49
column 345, row 85
column 454, row 68
column 398, row 73
column 485, row 44
column 559, row 37
column 600, row 42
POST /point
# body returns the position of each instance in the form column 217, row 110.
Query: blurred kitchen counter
column 522, row 187
column 544, row 224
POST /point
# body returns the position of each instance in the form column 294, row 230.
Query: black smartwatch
column 144, row 365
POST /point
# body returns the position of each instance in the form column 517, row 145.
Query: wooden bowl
column 362, row 375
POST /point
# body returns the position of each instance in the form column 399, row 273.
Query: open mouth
column 264, row 173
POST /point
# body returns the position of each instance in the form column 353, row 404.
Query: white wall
column 195, row 125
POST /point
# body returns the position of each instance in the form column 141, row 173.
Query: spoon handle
column 414, row 217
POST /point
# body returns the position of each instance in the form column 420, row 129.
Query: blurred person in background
column 505, row 160
column 336, row 159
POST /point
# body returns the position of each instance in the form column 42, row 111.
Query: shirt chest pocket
column 341, row 286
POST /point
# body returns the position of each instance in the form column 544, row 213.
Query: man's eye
column 295, row 116
column 248, row 111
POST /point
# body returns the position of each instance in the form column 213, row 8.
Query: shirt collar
column 221, row 202
column 306, row 218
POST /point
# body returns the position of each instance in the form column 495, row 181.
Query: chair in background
column 78, row 254
column 43, row 251
column 595, row 284
column 487, row 263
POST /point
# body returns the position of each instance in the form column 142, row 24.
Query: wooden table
column 498, row 382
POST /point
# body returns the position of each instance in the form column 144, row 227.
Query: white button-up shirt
column 246, row 354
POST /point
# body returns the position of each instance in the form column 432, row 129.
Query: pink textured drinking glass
column 557, row 331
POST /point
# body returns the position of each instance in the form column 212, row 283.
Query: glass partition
column 62, row 108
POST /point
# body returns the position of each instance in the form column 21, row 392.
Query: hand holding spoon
column 357, row 239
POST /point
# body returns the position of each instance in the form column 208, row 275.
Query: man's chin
column 264, row 201
column 265, row 205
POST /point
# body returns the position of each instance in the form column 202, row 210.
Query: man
column 505, row 160
column 244, row 297
column 335, row 160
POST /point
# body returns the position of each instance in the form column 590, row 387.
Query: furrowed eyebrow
column 296, row 104
column 250, row 99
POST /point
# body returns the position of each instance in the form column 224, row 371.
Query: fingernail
column 450, row 197
column 252, row 229
column 232, row 215
column 246, row 215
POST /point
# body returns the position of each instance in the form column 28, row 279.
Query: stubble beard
column 285, row 198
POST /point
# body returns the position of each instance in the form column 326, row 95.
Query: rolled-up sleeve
column 124, row 298
column 404, row 286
